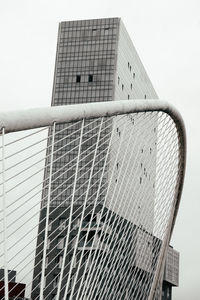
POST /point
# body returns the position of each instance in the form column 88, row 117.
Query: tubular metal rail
column 89, row 198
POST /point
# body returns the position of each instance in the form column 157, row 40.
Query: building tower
column 96, row 61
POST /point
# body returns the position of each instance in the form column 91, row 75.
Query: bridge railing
column 89, row 198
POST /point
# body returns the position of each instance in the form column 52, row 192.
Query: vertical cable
column 4, row 219
column 100, row 242
column 115, row 196
column 47, row 217
column 123, row 187
column 81, row 221
column 70, row 221
column 86, row 197
column 98, row 223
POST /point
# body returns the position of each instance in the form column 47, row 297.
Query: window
column 74, row 262
column 72, row 281
column 55, row 281
column 133, row 75
column 122, row 87
column 48, row 243
column 60, row 244
column 90, row 78
column 50, row 225
column 128, row 96
column 106, row 30
column 94, row 31
column 145, row 96
column 78, row 78
column 46, row 261
column 90, row 235
column 118, row 131
column 128, row 64
column 76, row 223
column 44, row 282
column 131, row 86
column 168, row 292
column 59, row 261
column 89, row 219
column 39, row 278
column 62, row 222
column 118, row 79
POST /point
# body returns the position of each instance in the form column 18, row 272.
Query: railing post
column 4, row 219
column 47, row 216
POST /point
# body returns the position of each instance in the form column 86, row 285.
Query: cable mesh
column 88, row 207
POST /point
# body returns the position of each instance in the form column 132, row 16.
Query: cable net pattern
column 87, row 207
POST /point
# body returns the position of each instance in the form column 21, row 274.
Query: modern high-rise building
column 95, row 62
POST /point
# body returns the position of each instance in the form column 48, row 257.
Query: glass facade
column 85, row 61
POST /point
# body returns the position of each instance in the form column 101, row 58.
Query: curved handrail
column 42, row 117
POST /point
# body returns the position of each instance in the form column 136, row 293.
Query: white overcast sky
column 166, row 34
